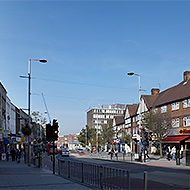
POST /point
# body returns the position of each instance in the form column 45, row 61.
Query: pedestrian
column 13, row 154
column 18, row 155
column 173, row 152
column 146, row 153
column 111, row 153
column 168, row 153
column 181, row 152
column 116, row 154
column 7, row 155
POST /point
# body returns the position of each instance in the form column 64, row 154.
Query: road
column 167, row 177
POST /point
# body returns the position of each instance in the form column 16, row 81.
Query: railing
column 96, row 175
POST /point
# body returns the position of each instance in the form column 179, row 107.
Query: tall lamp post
column 131, row 73
column 29, row 93
column 139, row 76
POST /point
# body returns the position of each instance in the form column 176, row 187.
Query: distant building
column 98, row 117
column 69, row 141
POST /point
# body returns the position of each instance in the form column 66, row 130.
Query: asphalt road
column 159, row 177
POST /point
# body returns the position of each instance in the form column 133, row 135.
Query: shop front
column 181, row 140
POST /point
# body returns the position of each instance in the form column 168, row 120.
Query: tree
column 89, row 135
column 26, row 130
column 126, row 138
column 39, row 125
column 159, row 124
column 38, row 118
column 108, row 132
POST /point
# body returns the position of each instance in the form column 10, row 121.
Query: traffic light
column 55, row 130
column 150, row 136
column 49, row 132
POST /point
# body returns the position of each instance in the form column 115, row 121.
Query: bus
column 50, row 148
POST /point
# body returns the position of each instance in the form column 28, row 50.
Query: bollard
column 145, row 180
column 69, row 169
column 101, row 177
column 128, row 180
column 82, row 170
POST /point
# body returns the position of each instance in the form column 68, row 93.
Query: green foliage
column 38, row 118
column 26, row 130
column 87, row 135
column 108, row 132
column 126, row 138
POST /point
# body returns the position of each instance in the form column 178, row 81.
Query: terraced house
column 176, row 102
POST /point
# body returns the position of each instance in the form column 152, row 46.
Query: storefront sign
column 184, row 131
column 1, row 130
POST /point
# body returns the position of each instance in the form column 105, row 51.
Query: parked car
column 65, row 152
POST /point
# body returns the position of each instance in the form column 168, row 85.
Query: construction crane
column 46, row 108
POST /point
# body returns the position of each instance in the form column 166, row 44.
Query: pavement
column 15, row 175
column 153, row 160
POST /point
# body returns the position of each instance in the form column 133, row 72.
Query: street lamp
column 130, row 74
column 29, row 93
column 139, row 76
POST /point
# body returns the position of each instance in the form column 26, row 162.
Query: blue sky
column 90, row 46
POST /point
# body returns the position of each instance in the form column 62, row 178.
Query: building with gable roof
column 175, row 101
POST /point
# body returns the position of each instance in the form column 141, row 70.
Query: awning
column 174, row 139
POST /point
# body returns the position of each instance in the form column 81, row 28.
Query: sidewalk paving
column 154, row 160
column 15, row 175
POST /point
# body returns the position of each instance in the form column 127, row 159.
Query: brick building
column 176, row 102
column 68, row 141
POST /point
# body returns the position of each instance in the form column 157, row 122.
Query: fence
column 96, row 175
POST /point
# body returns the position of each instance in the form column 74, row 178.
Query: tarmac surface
column 15, row 175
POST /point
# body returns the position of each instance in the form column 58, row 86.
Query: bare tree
column 159, row 123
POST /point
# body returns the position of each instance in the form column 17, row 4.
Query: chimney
column 155, row 91
column 186, row 75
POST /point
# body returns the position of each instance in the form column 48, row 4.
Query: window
column 175, row 122
column 175, row 106
column 156, row 110
column 163, row 109
column 186, row 121
column 186, row 103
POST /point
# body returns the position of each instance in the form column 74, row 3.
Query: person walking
column 112, row 151
column 173, row 152
column 18, row 155
column 13, row 154
column 168, row 153
column 116, row 154
column 7, row 155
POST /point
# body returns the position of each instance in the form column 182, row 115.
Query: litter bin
column 188, row 158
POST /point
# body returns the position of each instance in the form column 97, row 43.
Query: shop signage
column 22, row 139
column 1, row 130
column 184, row 131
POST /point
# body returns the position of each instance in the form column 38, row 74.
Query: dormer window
column 175, row 106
